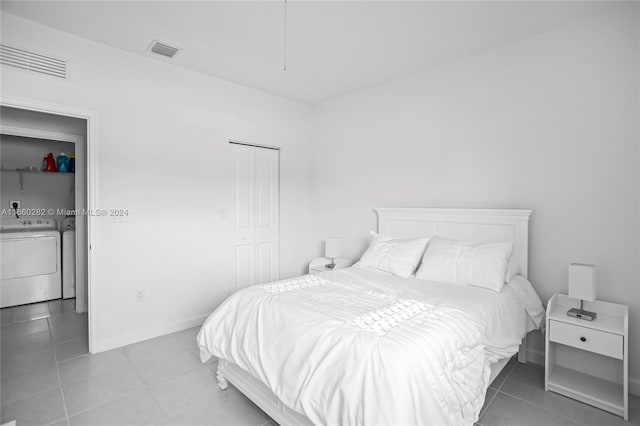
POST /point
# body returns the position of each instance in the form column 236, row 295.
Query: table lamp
column 582, row 285
column 332, row 250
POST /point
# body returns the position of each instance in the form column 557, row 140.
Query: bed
column 361, row 346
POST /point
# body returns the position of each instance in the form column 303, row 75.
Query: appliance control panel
column 27, row 223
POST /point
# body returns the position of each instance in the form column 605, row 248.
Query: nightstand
column 317, row 266
column 588, row 360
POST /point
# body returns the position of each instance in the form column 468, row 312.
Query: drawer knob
column 583, row 339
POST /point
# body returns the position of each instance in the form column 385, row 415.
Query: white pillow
column 399, row 257
column 455, row 262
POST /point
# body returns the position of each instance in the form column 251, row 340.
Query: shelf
column 20, row 175
column 26, row 172
column 586, row 388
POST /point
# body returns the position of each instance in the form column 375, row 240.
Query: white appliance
column 30, row 260
column 68, row 257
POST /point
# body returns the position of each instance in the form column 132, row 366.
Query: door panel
column 265, row 253
column 244, row 266
column 268, row 229
column 244, row 188
column 256, row 214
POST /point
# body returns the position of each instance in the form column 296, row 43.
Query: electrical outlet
column 140, row 295
column 15, row 204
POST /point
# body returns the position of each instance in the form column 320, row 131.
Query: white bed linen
column 507, row 316
column 359, row 346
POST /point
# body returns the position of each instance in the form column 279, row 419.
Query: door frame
column 91, row 189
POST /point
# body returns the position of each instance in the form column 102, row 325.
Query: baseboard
column 537, row 357
column 102, row 345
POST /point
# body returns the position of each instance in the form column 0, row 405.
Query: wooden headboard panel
column 472, row 225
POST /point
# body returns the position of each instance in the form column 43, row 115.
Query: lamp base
column 581, row 314
column 332, row 264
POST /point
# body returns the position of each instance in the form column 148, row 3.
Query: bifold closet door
column 256, row 214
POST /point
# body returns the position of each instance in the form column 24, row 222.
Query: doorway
column 50, row 125
column 256, row 213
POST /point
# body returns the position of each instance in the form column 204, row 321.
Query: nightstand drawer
column 601, row 342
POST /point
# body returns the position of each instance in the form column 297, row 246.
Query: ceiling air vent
column 164, row 49
column 30, row 61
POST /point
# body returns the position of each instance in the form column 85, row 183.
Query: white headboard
column 473, row 225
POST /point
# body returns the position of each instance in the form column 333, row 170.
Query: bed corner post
column 522, row 351
column 223, row 384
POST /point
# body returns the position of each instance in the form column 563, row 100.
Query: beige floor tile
column 634, row 411
column 5, row 316
column 15, row 363
column 29, row 384
column 27, row 342
column 187, row 338
column 595, row 417
column 71, row 349
column 16, row 331
column 137, row 409
column 491, row 393
column 42, row 409
column 31, row 312
column 187, row 391
column 62, row 422
column 92, row 365
column 69, row 305
column 231, row 408
column 89, row 393
column 508, row 411
column 69, row 326
column 212, row 363
column 55, row 306
column 526, row 382
column 499, row 381
column 160, row 359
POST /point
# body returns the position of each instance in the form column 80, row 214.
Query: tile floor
column 517, row 397
column 47, row 381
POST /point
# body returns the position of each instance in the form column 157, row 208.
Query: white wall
column 548, row 123
column 163, row 154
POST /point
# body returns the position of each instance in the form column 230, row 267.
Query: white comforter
column 356, row 347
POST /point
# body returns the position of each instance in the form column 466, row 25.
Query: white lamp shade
column 582, row 281
column 332, row 247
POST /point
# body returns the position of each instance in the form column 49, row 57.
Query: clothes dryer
column 29, row 260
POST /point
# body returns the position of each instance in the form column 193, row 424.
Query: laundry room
column 31, row 176
column 42, row 196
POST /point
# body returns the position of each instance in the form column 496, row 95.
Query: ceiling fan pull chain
column 285, row 35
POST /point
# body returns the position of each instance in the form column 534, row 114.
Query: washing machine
column 30, row 260
column 68, row 230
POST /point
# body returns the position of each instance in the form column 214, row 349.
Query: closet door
column 256, row 214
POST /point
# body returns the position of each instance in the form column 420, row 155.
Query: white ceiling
column 333, row 47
